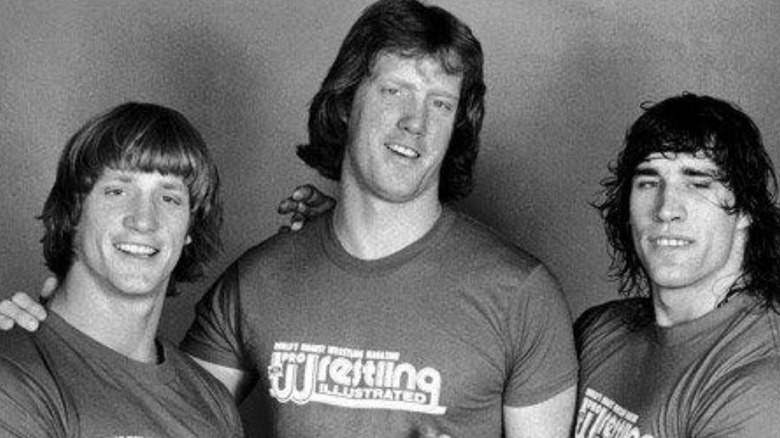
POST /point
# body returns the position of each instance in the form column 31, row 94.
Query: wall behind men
column 565, row 79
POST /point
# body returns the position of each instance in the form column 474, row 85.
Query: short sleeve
column 27, row 409
column 542, row 357
column 215, row 335
column 743, row 404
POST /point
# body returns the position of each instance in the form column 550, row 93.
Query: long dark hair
column 691, row 124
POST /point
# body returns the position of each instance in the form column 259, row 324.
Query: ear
column 188, row 240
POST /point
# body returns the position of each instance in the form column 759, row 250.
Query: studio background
column 565, row 79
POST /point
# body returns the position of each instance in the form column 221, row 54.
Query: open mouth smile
column 670, row 242
column 402, row 150
column 136, row 250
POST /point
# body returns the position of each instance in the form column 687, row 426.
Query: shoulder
column 20, row 348
column 744, row 401
column 285, row 249
column 484, row 246
column 613, row 316
column 26, row 370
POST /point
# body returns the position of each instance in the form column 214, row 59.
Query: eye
column 645, row 183
column 444, row 105
column 391, row 91
column 172, row 199
column 701, row 183
column 113, row 191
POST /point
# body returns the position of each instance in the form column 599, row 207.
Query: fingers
column 301, row 198
column 29, row 305
column 49, row 286
column 287, row 206
column 12, row 313
column 6, row 323
column 296, row 221
column 306, row 192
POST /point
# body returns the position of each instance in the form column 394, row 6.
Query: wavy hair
column 722, row 132
column 137, row 137
column 405, row 28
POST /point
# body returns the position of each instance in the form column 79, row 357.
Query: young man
column 394, row 314
column 691, row 215
column 133, row 210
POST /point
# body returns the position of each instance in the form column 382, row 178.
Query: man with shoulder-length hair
column 393, row 315
column 690, row 212
column 133, row 210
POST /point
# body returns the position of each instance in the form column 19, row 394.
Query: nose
column 670, row 205
column 414, row 119
column 141, row 215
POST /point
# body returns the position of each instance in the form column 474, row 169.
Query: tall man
column 394, row 314
column 133, row 210
column 691, row 215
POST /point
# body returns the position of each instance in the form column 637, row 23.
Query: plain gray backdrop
column 565, row 79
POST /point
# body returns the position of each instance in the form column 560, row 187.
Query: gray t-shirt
column 58, row 382
column 716, row 376
column 441, row 334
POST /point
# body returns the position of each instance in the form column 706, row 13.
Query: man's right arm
column 238, row 382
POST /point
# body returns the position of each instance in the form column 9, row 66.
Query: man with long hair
column 134, row 209
column 691, row 215
column 394, row 315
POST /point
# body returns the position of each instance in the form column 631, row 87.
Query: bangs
column 151, row 155
column 147, row 144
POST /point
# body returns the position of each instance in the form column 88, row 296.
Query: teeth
column 671, row 242
column 403, row 150
column 136, row 249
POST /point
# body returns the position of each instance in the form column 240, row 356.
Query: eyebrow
column 175, row 185
column 711, row 173
column 687, row 171
column 167, row 185
column 645, row 171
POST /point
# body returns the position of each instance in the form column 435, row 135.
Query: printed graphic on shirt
column 600, row 417
column 352, row 378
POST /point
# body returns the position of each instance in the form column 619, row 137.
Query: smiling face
column 400, row 126
column 684, row 237
column 131, row 232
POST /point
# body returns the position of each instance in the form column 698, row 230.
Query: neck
column 370, row 228
column 676, row 306
column 127, row 325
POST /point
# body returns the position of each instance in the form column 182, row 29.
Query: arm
column 238, row 382
column 214, row 340
column 540, row 393
column 551, row 418
column 31, row 403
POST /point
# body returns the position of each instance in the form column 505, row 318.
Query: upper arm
column 542, row 361
column 551, row 418
column 216, row 335
column 29, row 406
column 238, row 382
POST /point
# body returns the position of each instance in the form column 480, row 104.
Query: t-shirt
column 716, row 376
column 59, row 382
column 438, row 335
